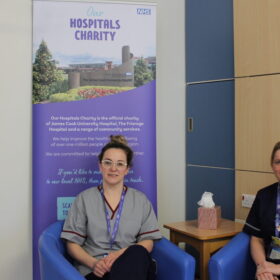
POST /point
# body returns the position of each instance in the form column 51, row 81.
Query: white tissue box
column 209, row 218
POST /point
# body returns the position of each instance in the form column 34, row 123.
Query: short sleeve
column 252, row 225
column 149, row 227
column 75, row 226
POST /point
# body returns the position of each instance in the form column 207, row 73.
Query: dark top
column 261, row 219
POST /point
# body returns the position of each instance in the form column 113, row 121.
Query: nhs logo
column 144, row 12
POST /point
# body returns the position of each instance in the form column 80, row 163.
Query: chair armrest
column 53, row 264
column 172, row 262
column 233, row 261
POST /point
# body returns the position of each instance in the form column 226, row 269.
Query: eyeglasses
column 120, row 165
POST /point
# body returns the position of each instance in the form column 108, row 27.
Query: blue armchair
column 233, row 261
column 55, row 264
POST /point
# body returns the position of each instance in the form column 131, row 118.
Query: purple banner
column 94, row 68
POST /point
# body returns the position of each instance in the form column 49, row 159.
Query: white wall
column 171, row 113
column 16, row 115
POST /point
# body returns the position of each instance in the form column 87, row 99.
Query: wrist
column 119, row 252
column 122, row 250
column 261, row 262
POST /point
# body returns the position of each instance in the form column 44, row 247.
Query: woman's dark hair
column 118, row 142
column 275, row 149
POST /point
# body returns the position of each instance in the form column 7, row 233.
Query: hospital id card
column 275, row 248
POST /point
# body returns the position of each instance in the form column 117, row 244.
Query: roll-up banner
column 94, row 69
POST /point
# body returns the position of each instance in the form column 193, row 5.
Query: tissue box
column 209, row 218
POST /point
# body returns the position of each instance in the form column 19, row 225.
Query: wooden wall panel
column 257, row 127
column 249, row 183
column 256, row 37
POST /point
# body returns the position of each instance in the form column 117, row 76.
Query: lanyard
column 113, row 234
column 277, row 216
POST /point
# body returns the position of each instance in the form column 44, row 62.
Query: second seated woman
column 263, row 224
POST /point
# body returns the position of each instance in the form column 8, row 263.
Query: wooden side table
column 205, row 241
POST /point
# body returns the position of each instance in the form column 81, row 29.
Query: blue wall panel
column 218, row 181
column 211, row 105
column 209, row 40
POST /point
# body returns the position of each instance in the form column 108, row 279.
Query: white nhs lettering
column 141, row 11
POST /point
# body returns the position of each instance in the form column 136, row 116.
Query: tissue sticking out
column 206, row 200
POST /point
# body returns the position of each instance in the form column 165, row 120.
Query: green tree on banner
column 142, row 74
column 45, row 73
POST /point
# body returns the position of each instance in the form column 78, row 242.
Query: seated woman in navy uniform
column 110, row 229
column 263, row 224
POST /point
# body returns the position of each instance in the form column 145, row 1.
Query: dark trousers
column 134, row 264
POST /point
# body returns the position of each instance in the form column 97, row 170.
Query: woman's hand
column 112, row 256
column 267, row 271
column 100, row 268
column 266, row 276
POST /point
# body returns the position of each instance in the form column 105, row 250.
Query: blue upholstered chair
column 172, row 262
column 233, row 261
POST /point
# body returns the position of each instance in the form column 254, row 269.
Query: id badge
column 275, row 248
